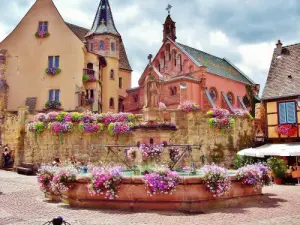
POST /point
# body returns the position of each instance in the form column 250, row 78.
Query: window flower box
column 53, row 70
column 42, row 34
column 88, row 78
column 289, row 130
column 52, row 104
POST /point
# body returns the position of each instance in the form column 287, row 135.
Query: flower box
column 88, row 78
column 53, row 70
column 42, row 34
column 52, row 104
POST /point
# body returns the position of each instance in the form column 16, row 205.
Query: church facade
column 54, row 65
column 188, row 74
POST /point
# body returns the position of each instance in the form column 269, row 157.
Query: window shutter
column 40, row 26
column 50, row 59
column 56, row 61
column 45, row 26
column 50, row 95
column 282, row 113
column 291, row 112
column 57, row 92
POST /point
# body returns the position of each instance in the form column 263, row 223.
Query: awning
column 286, row 149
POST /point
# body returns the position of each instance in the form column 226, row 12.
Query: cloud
column 245, row 32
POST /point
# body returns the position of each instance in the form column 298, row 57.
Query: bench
column 26, row 169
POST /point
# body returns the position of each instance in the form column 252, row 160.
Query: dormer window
column 113, row 46
column 101, row 45
column 42, row 30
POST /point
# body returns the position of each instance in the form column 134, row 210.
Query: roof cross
column 169, row 8
column 103, row 22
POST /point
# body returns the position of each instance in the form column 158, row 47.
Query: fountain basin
column 190, row 195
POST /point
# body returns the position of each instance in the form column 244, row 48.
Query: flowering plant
column 53, row 70
column 151, row 150
column 250, row 175
column 161, row 181
column 120, row 117
column 36, row 127
column 222, row 124
column 188, row 106
column 105, row 181
column 216, row 180
column 266, row 177
column 42, row 117
column 90, row 101
column 119, row 128
column 162, row 106
column 52, row 104
column 42, row 34
column 90, row 127
column 51, row 116
column 88, row 78
column 218, row 113
column 60, row 127
column 242, row 113
column 76, row 117
column 88, row 117
column 289, row 130
column 45, row 176
column 62, row 179
column 61, row 116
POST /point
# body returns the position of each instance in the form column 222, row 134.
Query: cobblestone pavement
column 22, row 203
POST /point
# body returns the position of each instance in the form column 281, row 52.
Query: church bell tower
column 169, row 27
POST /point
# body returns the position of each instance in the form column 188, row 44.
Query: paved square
column 22, row 203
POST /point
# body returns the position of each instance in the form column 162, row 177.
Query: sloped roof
column 284, row 74
column 104, row 21
column 124, row 62
column 216, row 65
column 80, row 32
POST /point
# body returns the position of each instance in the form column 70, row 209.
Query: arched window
column 113, row 46
column 230, row 98
column 168, row 52
column 90, row 66
column 174, row 57
column 246, row 101
column 213, row 94
column 112, row 74
column 101, row 45
column 111, row 103
column 180, row 62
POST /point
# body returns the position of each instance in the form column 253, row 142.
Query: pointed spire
column 104, row 21
column 169, row 27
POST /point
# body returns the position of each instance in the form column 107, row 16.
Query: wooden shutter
column 57, row 92
column 290, row 112
column 50, row 61
column 242, row 103
column 56, row 61
column 45, row 26
column 50, row 95
column 282, row 113
column 40, row 26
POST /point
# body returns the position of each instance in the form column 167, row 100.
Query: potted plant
column 278, row 167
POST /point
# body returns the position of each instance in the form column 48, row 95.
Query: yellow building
column 51, row 64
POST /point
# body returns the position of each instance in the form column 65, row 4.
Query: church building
column 49, row 64
column 188, row 74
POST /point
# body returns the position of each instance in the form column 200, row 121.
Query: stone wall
column 193, row 128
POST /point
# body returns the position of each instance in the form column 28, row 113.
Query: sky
column 243, row 31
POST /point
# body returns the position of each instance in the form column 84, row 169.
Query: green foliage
column 85, row 78
column 110, row 128
column 60, row 117
column 52, row 104
column 241, row 161
column 278, row 166
column 76, row 117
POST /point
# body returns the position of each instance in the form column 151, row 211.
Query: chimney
column 278, row 47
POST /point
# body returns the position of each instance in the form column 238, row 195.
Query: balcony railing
column 88, row 75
